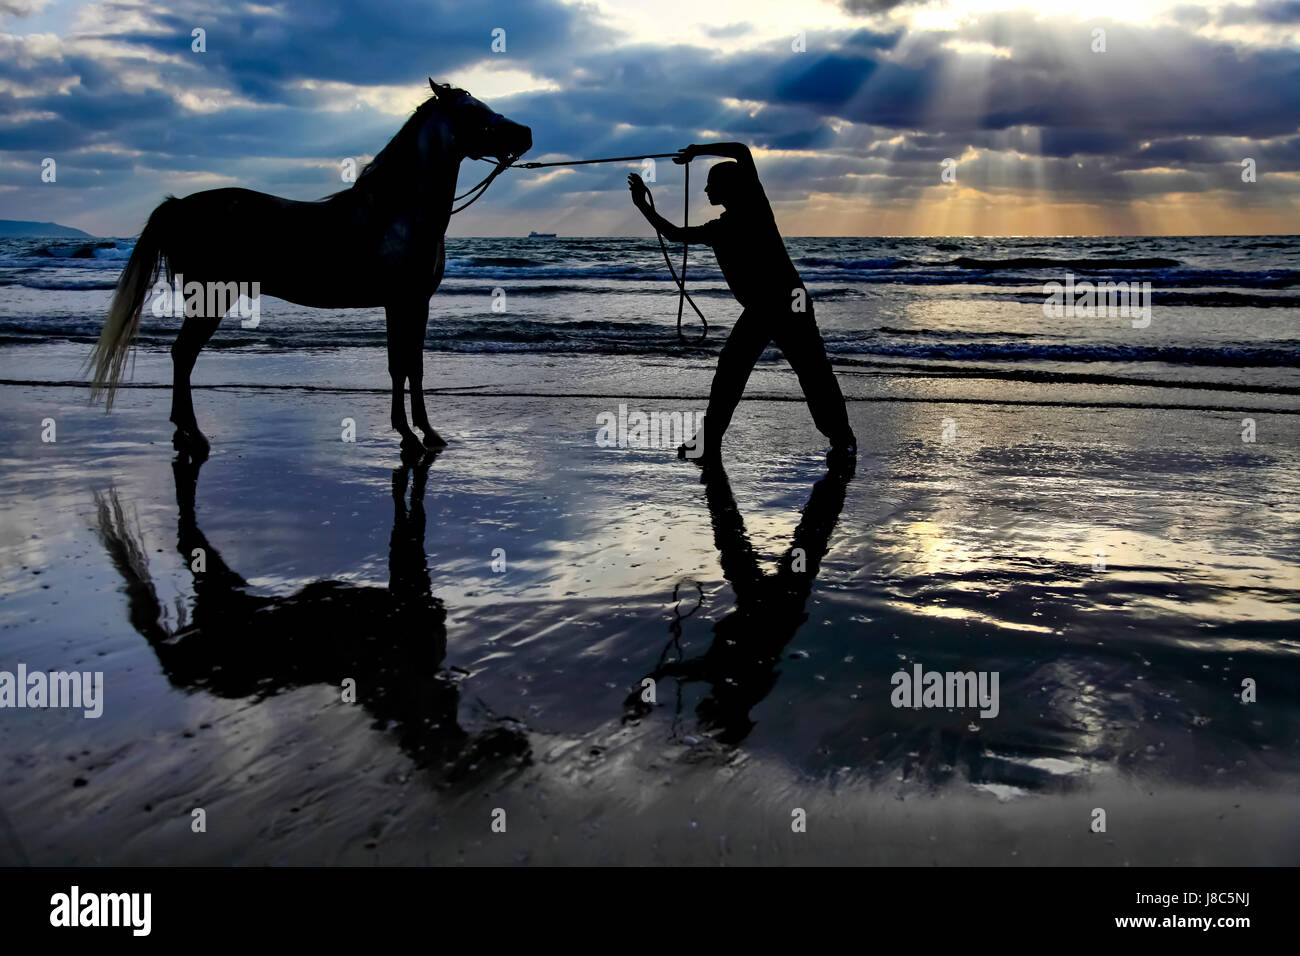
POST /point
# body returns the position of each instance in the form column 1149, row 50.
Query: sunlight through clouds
column 851, row 106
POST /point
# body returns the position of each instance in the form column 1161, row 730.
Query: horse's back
column 232, row 223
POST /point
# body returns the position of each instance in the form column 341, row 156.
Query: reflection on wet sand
column 740, row 665
column 391, row 641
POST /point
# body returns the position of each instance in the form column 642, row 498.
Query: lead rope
column 681, row 283
column 481, row 188
column 683, row 295
column 686, row 221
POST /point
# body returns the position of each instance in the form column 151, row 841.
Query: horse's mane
column 398, row 157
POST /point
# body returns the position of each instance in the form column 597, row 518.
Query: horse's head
column 477, row 131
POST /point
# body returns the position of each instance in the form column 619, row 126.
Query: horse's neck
column 437, row 186
column 417, row 192
column 439, row 192
column 433, row 191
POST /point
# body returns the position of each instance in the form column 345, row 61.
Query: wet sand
column 520, row 690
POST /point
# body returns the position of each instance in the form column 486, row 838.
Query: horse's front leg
column 397, row 320
column 415, row 373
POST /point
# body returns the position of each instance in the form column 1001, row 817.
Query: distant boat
column 541, row 235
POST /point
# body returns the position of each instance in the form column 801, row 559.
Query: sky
column 1113, row 117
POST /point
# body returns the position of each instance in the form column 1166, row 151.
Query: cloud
column 871, row 8
column 22, row 8
column 261, row 50
column 1191, row 16
column 1269, row 11
column 730, row 31
column 284, row 92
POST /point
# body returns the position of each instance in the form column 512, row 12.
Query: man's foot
column 843, row 451
column 705, row 458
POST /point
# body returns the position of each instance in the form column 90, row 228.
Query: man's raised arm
column 737, row 151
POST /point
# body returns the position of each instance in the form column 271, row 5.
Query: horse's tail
column 141, row 272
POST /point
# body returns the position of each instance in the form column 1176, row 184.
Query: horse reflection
column 391, row 641
column 740, row 665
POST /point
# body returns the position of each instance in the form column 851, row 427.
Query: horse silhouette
column 380, row 242
column 391, row 641
column 740, row 665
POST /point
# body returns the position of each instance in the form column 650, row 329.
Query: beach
column 1117, row 687
column 1094, row 528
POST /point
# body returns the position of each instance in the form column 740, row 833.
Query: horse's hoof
column 192, row 443
column 433, row 440
column 412, row 455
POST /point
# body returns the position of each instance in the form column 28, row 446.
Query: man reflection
column 740, row 665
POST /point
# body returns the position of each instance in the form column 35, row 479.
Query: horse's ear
column 432, row 85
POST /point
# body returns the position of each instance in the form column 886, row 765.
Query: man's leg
column 744, row 346
column 801, row 344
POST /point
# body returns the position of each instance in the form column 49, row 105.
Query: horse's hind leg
column 194, row 334
column 414, row 352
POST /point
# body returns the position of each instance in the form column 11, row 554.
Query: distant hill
column 19, row 229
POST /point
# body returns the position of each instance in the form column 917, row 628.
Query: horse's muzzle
column 511, row 140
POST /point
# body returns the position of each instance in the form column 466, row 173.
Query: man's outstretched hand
column 686, row 154
column 638, row 187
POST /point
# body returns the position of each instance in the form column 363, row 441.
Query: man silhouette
column 758, row 270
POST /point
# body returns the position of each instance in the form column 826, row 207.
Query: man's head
column 724, row 186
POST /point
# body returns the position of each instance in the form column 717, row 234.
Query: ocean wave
column 475, row 267
column 957, row 333
column 1046, row 262
column 886, row 263
column 601, row 336
column 618, row 276
column 1039, row 376
column 1238, row 356
column 115, row 253
column 99, row 249
column 620, row 246
column 619, row 263
column 506, row 262
column 695, row 288
column 72, row 285
column 1212, row 299
column 878, row 272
